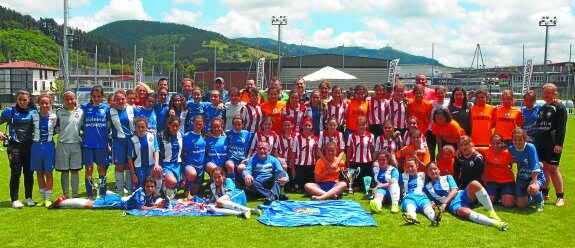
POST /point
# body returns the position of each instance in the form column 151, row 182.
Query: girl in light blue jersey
column 238, row 144
column 149, row 112
column 95, row 140
column 414, row 199
column 143, row 152
column 387, row 188
column 194, row 155
column 121, row 121
column 444, row 191
column 43, row 148
column 227, row 198
column 171, row 142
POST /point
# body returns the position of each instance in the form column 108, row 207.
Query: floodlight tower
column 279, row 21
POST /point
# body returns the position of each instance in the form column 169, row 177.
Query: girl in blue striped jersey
column 43, row 148
column 143, row 152
column 195, row 107
column 194, row 154
column 170, row 142
column 121, row 121
column 95, row 140
column 238, row 145
column 148, row 111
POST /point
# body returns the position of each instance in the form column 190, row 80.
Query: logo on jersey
column 77, row 115
column 507, row 115
column 150, row 139
column 179, row 135
column 102, row 111
column 548, row 114
column 90, row 109
column 480, row 113
column 275, row 110
column 471, row 163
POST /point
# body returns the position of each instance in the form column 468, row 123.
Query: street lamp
column 279, row 21
column 547, row 22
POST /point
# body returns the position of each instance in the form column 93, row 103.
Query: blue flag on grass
column 194, row 207
column 309, row 213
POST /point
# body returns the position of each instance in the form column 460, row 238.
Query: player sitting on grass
column 326, row 175
column 387, row 188
column 142, row 199
column 444, row 190
column 414, row 198
column 228, row 199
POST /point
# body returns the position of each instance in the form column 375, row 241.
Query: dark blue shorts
column 98, row 156
column 500, row 189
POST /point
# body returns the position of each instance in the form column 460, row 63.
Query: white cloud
column 236, row 25
column 38, row 8
column 114, row 11
column 183, row 16
column 187, row 1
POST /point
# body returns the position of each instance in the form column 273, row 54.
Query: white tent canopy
column 329, row 73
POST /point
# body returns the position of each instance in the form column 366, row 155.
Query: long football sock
column 65, row 181
column 43, row 193
column 410, row 209
column 375, row 173
column 120, row 182
column 75, row 184
column 428, row 211
column 483, row 198
column 394, row 192
column 234, row 206
column 48, row 194
column 103, row 184
column 480, row 219
column 88, row 182
column 74, row 203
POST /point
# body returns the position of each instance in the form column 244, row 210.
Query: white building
column 27, row 75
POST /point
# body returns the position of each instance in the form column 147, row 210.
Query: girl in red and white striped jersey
column 337, row 107
column 390, row 141
column 330, row 135
column 304, row 155
column 375, row 110
column 266, row 134
column 412, row 125
column 282, row 146
column 360, row 146
column 396, row 108
column 252, row 113
column 295, row 110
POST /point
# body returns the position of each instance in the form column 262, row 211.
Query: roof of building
column 26, row 65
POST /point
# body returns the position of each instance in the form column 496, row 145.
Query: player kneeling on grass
column 143, row 153
column 228, row 199
column 530, row 178
column 142, row 199
column 414, row 198
column 387, row 188
column 460, row 202
column 326, row 175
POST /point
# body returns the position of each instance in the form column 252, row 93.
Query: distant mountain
column 296, row 50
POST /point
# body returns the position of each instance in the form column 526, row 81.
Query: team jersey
column 122, row 121
column 360, row 147
column 424, row 158
column 506, row 120
column 435, row 105
column 224, row 96
column 389, row 145
column 497, row 165
column 193, row 110
column 439, row 190
column 384, row 176
column 183, row 116
column 407, row 139
column 253, row 117
column 325, row 138
column 142, row 149
column 19, row 123
column 296, row 115
column 375, row 111
column 447, row 131
column 95, row 130
column 331, row 175
column 194, row 149
column 261, row 137
column 218, row 191
column 355, row 109
column 527, row 161
column 44, row 126
column 162, row 111
column 304, row 149
column 171, row 149
column 339, row 111
column 396, row 111
column 238, row 144
column 550, row 125
column 264, row 170
column 150, row 114
column 421, row 111
column 529, row 117
column 445, row 165
column 428, row 94
column 231, row 111
column 217, row 150
column 245, row 96
column 412, row 184
column 138, row 199
column 274, row 110
column 467, row 169
column 69, row 124
column 461, row 116
column 317, row 116
column 482, row 124
column 283, row 144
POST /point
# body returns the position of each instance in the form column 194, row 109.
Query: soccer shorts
column 521, row 186
column 418, row 200
column 498, row 190
column 548, row 155
column 172, row 169
column 142, row 173
column 238, row 196
column 98, row 156
column 68, row 156
column 461, row 200
column 200, row 169
column 326, row 186
column 43, row 156
column 120, row 152
column 111, row 201
column 385, row 193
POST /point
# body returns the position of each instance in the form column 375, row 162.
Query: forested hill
column 297, row 50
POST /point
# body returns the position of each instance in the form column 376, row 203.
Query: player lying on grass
column 444, row 190
column 143, row 199
column 227, row 198
column 414, row 198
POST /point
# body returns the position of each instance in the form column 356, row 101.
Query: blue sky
column 453, row 26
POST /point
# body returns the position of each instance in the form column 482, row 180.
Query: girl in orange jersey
column 357, row 107
column 273, row 108
column 414, row 150
column 507, row 117
column 481, row 119
column 497, row 173
column 446, row 130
